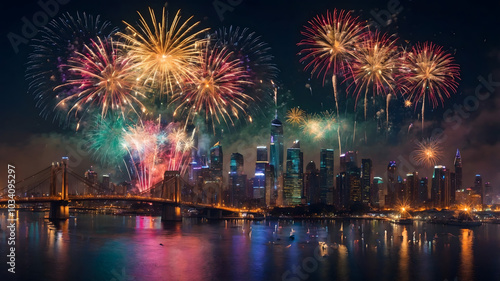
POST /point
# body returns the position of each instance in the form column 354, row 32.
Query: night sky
column 468, row 30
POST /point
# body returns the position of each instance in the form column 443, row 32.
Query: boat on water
column 406, row 221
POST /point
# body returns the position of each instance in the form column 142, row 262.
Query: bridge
column 60, row 186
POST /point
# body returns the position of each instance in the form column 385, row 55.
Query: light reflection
column 343, row 263
column 404, row 258
column 466, row 255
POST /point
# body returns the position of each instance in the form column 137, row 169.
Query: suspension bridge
column 59, row 186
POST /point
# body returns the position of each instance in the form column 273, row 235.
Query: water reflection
column 466, row 255
column 404, row 258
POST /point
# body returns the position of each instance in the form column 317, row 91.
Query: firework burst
column 105, row 139
column 216, row 88
column 102, row 78
column 319, row 126
column 154, row 149
column 374, row 67
column 428, row 152
column 58, row 43
column 329, row 44
column 429, row 73
column 164, row 51
column 295, row 116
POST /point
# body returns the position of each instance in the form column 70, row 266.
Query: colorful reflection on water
column 104, row 247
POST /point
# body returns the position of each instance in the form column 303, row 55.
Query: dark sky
column 469, row 30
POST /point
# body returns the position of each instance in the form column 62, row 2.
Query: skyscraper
column 423, row 191
column 216, row 158
column 390, row 199
column 293, row 179
column 458, row 170
column 237, row 181
column 326, row 175
column 259, row 184
column 478, row 187
column 311, row 184
column 349, row 159
column 441, row 187
column 376, row 192
column 276, row 158
column 366, row 175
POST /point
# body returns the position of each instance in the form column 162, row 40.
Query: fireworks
column 105, row 140
column 250, row 51
column 376, row 59
column 103, row 78
column 429, row 72
column 59, row 42
column 295, row 116
column 330, row 43
column 154, row 149
column 319, row 126
column 428, row 152
column 216, row 88
column 164, row 51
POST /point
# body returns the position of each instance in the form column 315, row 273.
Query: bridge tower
column 59, row 210
column 171, row 189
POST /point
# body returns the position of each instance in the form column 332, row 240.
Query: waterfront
column 106, row 247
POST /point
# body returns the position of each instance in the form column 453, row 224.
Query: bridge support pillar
column 214, row 214
column 59, row 210
column 171, row 213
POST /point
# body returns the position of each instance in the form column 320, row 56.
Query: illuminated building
column 366, row 176
column 237, row 181
column 259, row 182
column 423, row 191
column 293, row 178
column 478, row 187
column 458, row 171
column 441, row 187
column 390, row 199
column 276, row 158
column 216, row 160
column 312, row 190
column 326, row 176
column 377, row 192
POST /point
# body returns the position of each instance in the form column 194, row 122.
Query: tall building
column 488, row 194
column 236, row 164
column 377, row 193
column 91, row 177
column 293, row 179
column 259, row 184
column 423, row 191
column 354, row 184
column 342, row 191
column 391, row 197
column 276, row 158
column 237, row 181
column 366, row 180
column 105, row 183
column 412, row 188
column 326, row 176
column 441, row 187
column 312, row 190
column 458, row 171
column 216, row 158
column 478, row 187
column 347, row 160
